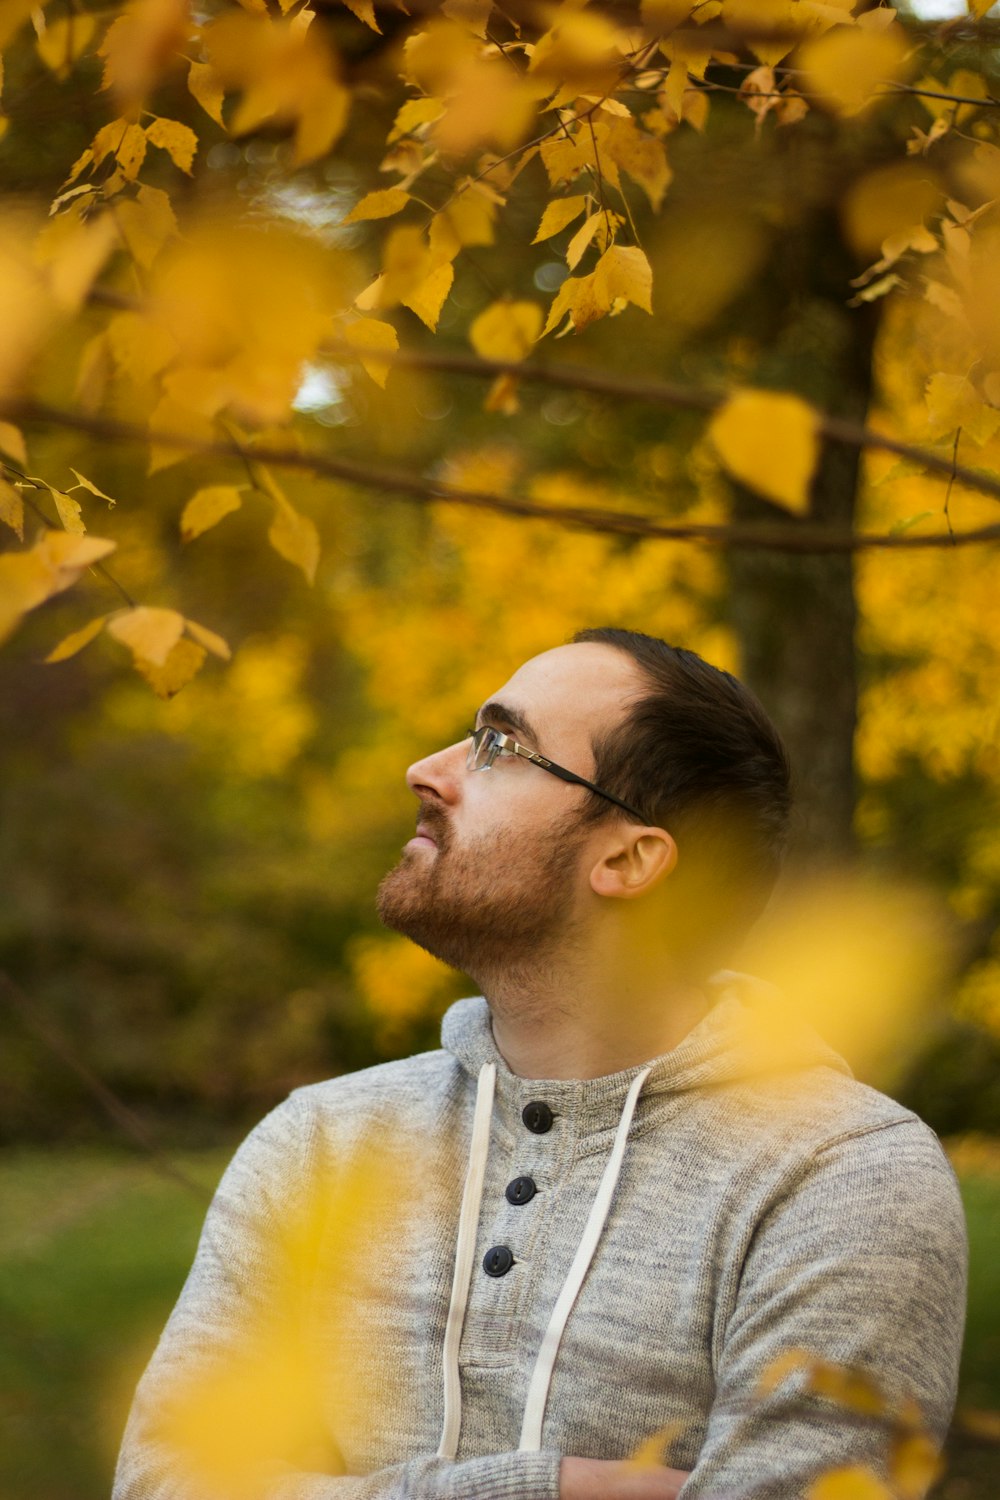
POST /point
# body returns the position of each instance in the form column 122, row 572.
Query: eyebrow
column 503, row 716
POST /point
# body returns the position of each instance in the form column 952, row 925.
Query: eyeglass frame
column 507, row 742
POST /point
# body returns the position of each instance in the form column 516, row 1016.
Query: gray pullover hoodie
column 633, row 1251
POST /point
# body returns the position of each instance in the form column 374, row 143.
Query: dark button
column 521, row 1190
column 498, row 1261
column 537, row 1116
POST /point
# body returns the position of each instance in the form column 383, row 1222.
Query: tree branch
column 801, row 537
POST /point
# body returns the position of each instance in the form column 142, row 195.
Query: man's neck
column 581, row 1030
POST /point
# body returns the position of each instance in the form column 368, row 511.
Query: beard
column 492, row 909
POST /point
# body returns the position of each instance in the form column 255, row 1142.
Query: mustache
column 435, row 820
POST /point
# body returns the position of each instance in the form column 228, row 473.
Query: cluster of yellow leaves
column 913, row 1464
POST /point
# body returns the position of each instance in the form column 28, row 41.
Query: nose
column 440, row 774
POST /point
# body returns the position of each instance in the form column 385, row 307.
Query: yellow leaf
column 365, row 11
column 52, row 565
column 559, row 213
column 503, row 396
column 294, row 537
column 208, row 639
column 141, row 44
column 650, row 1452
column 76, row 641
column 848, row 67
column 768, row 26
column 12, row 443
column 184, row 659
column 580, row 240
column 506, row 330
column 371, row 337
column 321, row 121
column 769, row 442
column 207, row 507
column 88, row 484
column 149, row 633
column 146, row 223
column 12, row 508
column 428, row 298
column 664, row 15
column 474, row 14
column 578, row 300
column 69, row 510
column 623, row 274
column 204, row 86
column 778, row 1370
column 853, row 1483
column 179, row 141
column 68, row 555
column 414, row 116
column 914, row 1465
column 466, row 220
column 978, row 8
column 66, row 39
column 123, row 140
column 172, row 419
column 380, row 205
column 642, row 156
column 73, row 250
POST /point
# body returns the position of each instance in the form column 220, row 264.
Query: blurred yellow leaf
column 978, row 8
column 474, row 14
column 559, row 213
column 887, row 202
column 788, row 1362
column 12, row 508
column 52, row 565
column 769, row 442
column 148, row 632
column 664, row 15
column 76, row 641
column 146, row 223
column 914, row 1465
column 849, row 65
column 208, row 506
column 12, row 443
column 506, row 330
column 184, row 659
column 379, row 205
column 503, row 396
column 294, row 537
column 650, row 1452
column 142, row 44
column 769, row 27
column 623, row 275
column 642, row 156
column 73, row 250
column 371, row 337
column 205, row 87
column 853, row 1483
column 414, row 116
column 13, row 14
column 208, row 639
column 579, row 242
column 428, row 298
column 847, row 1387
column 179, row 141
column 172, row 419
column 88, row 484
column 466, row 220
column 65, row 39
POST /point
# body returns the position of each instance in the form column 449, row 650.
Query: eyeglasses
column 488, row 743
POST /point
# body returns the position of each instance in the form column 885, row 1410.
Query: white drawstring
column 468, row 1223
column 538, row 1389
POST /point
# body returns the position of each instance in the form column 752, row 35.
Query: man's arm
column 860, row 1262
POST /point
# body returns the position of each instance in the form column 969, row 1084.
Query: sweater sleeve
column 861, row 1262
column 223, row 1409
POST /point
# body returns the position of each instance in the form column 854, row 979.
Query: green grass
column 94, row 1247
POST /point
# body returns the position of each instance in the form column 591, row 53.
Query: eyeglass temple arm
column 571, row 776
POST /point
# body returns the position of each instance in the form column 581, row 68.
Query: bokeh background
column 186, row 887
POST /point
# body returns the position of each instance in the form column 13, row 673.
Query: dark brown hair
column 696, row 754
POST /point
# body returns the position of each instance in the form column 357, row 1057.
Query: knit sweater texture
column 767, row 1202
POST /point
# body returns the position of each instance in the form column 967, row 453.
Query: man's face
column 496, row 875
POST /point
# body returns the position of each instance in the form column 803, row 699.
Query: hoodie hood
column 750, row 1031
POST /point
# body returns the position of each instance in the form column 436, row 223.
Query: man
column 618, row 1211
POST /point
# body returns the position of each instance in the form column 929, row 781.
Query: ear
column 634, row 864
